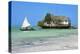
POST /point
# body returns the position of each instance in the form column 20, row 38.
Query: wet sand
column 68, row 42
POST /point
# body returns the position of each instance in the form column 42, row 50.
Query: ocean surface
column 22, row 40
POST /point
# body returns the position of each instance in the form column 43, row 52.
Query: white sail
column 25, row 23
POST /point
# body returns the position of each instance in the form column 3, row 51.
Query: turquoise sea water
column 42, row 33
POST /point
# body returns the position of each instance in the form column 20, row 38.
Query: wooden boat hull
column 27, row 29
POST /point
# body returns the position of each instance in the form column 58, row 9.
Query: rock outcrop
column 51, row 21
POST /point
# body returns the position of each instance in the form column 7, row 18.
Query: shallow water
column 29, row 39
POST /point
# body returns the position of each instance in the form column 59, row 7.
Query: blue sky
column 36, row 12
